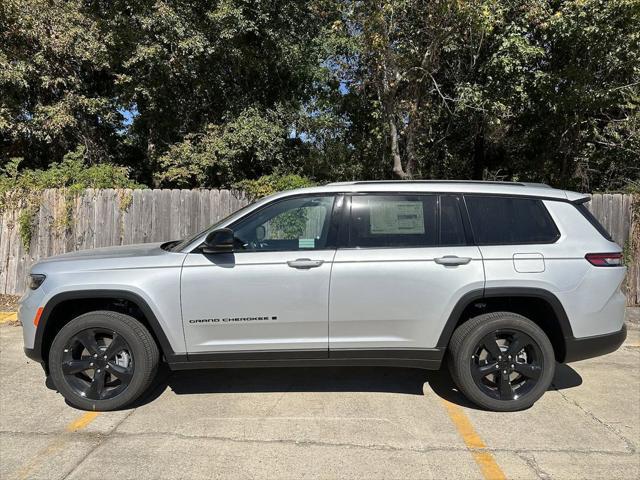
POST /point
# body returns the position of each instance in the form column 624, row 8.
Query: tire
column 103, row 360
column 490, row 343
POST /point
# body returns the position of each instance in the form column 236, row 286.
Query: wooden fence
column 620, row 215
column 101, row 218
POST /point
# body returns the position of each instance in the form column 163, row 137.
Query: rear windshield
column 582, row 208
column 498, row 220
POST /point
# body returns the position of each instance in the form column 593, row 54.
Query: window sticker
column 396, row 217
column 306, row 243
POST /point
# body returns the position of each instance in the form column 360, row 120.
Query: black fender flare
column 480, row 294
column 37, row 352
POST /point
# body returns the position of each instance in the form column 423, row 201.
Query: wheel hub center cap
column 506, row 365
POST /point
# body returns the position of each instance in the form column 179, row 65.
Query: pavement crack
column 629, row 444
column 531, row 462
column 101, row 440
column 101, row 437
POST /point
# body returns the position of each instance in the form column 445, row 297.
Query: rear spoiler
column 578, row 198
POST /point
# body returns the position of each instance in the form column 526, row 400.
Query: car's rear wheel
column 103, row 360
column 501, row 361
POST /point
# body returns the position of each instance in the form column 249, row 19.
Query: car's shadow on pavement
column 406, row 381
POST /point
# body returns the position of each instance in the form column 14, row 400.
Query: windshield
column 180, row 245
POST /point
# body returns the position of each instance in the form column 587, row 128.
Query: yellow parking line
column 83, row 421
column 56, row 445
column 484, row 458
column 6, row 317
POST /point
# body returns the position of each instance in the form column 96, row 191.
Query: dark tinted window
column 507, row 220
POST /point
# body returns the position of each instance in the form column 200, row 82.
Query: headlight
column 35, row 280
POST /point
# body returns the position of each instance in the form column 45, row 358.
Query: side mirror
column 219, row 241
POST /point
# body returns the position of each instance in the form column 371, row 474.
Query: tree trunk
column 412, row 128
column 152, row 158
column 411, row 148
column 398, row 171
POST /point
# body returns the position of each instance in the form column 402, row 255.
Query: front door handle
column 452, row 260
column 304, row 263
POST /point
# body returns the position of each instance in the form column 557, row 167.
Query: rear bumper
column 589, row 347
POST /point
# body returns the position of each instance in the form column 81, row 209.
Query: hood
column 112, row 268
column 124, row 252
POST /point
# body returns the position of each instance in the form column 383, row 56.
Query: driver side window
column 300, row 223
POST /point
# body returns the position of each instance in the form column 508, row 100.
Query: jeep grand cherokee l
column 502, row 280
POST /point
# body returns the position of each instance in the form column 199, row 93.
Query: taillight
column 604, row 259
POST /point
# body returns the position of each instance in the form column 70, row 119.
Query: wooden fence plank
column 204, row 216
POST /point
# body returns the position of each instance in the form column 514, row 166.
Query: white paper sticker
column 396, row 217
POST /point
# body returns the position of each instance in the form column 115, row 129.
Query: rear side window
column 405, row 221
column 510, row 220
column 393, row 221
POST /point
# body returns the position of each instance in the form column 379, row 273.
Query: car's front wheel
column 103, row 360
column 501, row 361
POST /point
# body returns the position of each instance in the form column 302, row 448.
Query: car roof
column 444, row 186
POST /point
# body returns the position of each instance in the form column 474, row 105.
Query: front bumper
column 589, row 347
column 27, row 310
column 33, row 354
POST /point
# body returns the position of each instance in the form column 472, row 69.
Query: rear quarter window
column 510, row 220
column 582, row 208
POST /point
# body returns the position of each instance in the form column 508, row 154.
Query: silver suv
column 502, row 280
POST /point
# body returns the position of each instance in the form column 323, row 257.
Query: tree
column 208, row 93
column 251, row 145
column 55, row 84
column 189, row 67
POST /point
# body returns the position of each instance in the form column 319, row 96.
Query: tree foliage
column 248, row 146
column 270, row 184
column 72, row 173
column 189, row 94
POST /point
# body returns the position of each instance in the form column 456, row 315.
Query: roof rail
column 537, row 184
column 490, row 182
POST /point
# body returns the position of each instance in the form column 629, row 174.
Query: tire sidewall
column 511, row 322
column 106, row 322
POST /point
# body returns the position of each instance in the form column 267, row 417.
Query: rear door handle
column 452, row 260
column 304, row 263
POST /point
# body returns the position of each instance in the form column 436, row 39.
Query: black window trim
column 526, row 197
column 466, row 220
column 345, row 224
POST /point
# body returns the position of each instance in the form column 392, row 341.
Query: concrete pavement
column 323, row 423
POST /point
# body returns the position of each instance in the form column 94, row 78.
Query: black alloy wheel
column 506, row 364
column 501, row 361
column 98, row 364
column 103, row 360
